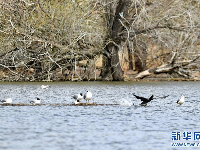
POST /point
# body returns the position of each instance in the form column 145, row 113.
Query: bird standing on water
column 76, row 102
column 181, row 100
column 88, row 96
column 36, row 101
column 7, row 101
column 77, row 98
column 143, row 99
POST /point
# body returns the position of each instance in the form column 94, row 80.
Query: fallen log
column 58, row 104
column 170, row 67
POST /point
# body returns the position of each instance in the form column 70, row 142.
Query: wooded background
column 59, row 40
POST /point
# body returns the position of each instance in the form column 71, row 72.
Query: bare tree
column 111, row 57
column 43, row 40
column 61, row 40
column 163, row 34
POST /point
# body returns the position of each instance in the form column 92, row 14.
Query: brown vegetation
column 99, row 40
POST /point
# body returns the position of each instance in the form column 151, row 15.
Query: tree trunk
column 130, row 57
column 113, row 16
column 111, row 64
column 116, row 69
column 106, row 71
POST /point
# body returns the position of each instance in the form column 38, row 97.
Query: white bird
column 181, row 100
column 78, row 97
column 77, row 102
column 7, row 101
column 88, row 96
column 45, row 86
column 36, row 101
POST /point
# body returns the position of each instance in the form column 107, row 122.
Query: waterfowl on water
column 87, row 96
column 78, row 97
column 181, row 100
column 7, row 101
column 36, row 101
column 143, row 99
column 77, row 102
column 45, row 86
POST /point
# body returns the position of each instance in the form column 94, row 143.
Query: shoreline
column 100, row 80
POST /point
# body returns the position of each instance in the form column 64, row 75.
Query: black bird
column 143, row 99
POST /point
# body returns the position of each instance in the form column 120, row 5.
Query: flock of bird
column 78, row 97
column 88, row 96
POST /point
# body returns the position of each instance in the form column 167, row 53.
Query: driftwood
column 57, row 104
column 171, row 67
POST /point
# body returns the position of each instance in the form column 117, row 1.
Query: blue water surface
column 101, row 127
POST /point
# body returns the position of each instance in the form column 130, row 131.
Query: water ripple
column 112, row 127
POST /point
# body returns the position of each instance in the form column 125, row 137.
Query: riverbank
column 59, row 76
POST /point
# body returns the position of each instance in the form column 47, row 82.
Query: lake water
column 106, row 127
